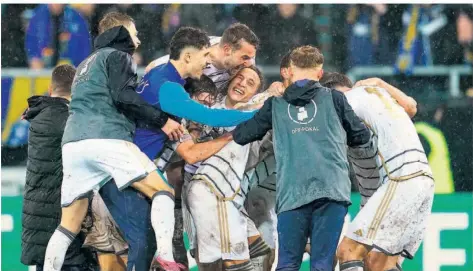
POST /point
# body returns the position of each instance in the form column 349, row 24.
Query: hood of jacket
column 118, row 38
column 301, row 92
column 36, row 104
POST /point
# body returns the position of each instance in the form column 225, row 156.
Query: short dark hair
column 334, row 79
column 61, row 79
column 204, row 84
column 285, row 60
column 112, row 19
column 187, row 37
column 236, row 32
column 306, row 57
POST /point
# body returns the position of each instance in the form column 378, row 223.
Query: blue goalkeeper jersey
column 163, row 88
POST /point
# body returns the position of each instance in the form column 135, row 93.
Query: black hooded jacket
column 41, row 202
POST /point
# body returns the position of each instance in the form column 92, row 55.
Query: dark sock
column 246, row 266
column 352, row 266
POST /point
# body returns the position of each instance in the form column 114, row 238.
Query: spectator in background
column 41, row 202
column 289, row 29
column 465, row 37
column 465, row 31
column 224, row 17
column 367, row 39
column 92, row 13
column 257, row 17
column 13, row 32
column 428, row 38
column 202, row 16
column 56, row 34
column 171, row 20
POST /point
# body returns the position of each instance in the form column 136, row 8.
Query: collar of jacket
column 37, row 103
column 118, row 38
column 173, row 74
column 301, row 92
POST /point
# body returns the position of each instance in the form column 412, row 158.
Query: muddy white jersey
column 398, row 142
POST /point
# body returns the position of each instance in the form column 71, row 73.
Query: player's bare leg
column 238, row 265
column 380, row 261
column 71, row 221
column 162, row 217
column 350, row 255
column 110, row 262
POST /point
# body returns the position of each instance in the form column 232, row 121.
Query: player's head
column 190, row 47
column 246, row 83
column 335, row 80
column 283, row 69
column 113, row 19
column 305, row 62
column 238, row 45
column 202, row 90
column 61, row 81
column 56, row 9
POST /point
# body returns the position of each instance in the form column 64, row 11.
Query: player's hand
column 372, row 82
column 276, row 89
column 174, row 130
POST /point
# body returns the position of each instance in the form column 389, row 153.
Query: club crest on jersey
column 302, row 114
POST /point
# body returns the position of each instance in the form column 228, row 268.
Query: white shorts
column 90, row 163
column 393, row 220
column 222, row 229
column 189, row 226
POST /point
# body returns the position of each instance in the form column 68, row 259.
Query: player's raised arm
column 176, row 101
column 407, row 102
column 255, row 128
column 193, row 152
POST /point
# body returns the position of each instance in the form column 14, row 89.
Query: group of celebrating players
column 200, row 134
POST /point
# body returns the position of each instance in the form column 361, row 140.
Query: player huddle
column 249, row 170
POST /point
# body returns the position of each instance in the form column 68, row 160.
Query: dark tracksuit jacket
column 105, row 104
column 311, row 127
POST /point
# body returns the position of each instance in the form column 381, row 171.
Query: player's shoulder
column 356, row 93
column 162, row 60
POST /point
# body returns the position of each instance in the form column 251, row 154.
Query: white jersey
column 398, row 143
column 225, row 170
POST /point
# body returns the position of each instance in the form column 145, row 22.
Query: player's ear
column 227, row 49
column 50, row 90
column 284, row 74
column 290, row 71
column 321, row 74
column 187, row 57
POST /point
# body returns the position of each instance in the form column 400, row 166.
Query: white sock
column 258, row 263
column 162, row 219
column 56, row 249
